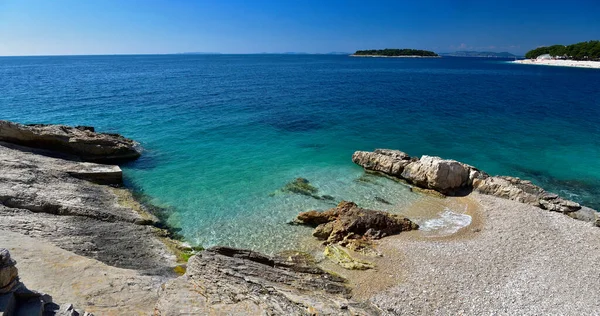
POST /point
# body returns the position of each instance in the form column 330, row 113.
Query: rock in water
column 300, row 186
column 232, row 281
column 348, row 221
column 443, row 175
column 390, row 162
column 79, row 141
column 451, row 177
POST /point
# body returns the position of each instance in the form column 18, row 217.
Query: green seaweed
column 340, row 256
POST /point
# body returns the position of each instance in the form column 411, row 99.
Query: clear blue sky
column 46, row 27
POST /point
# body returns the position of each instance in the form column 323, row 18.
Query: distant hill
column 199, row 53
column 479, row 54
column 394, row 52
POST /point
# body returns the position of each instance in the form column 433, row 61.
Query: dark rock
column 382, row 200
column 349, row 220
column 301, row 186
column 80, row 141
column 236, row 281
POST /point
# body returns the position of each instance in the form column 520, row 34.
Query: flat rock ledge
column 451, row 177
column 81, row 141
column 53, row 199
column 16, row 299
column 229, row 281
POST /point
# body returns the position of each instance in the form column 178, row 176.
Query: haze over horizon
column 71, row 27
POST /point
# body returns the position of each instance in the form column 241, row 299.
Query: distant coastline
column 407, row 56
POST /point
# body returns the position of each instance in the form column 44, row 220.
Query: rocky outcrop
column 80, row 141
column 228, row 281
column 16, row 299
column 348, row 221
column 443, row 175
column 44, row 197
column 451, row 177
column 387, row 161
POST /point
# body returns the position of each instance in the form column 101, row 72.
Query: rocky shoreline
column 81, row 237
column 451, row 177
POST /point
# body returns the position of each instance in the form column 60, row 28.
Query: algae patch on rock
column 340, row 256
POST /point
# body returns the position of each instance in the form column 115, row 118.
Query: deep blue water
column 223, row 132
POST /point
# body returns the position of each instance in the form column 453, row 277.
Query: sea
column 223, row 134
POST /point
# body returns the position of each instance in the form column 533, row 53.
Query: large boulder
column 443, row 175
column 348, row 221
column 83, row 142
column 387, row 161
column 9, row 274
column 438, row 174
column 228, row 281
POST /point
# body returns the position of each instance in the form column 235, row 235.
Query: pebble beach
column 560, row 63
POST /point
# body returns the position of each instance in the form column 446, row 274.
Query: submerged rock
column 300, row 186
column 82, row 142
column 347, row 220
column 303, row 187
column 232, row 281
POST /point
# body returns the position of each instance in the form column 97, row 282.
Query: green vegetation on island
column 580, row 51
column 389, row 52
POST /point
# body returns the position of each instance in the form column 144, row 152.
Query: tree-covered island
column 580, row 51
column 389, row 52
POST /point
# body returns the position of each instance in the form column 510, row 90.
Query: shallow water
column 221, row 133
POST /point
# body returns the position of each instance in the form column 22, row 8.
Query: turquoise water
column 222, row 133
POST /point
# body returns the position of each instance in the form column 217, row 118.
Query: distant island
column 466, row 53
column 388, row 52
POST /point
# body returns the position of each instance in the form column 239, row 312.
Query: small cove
column 222, row 133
